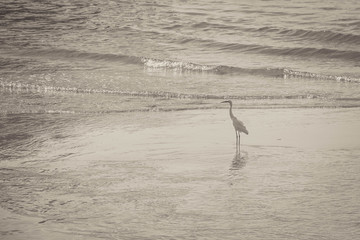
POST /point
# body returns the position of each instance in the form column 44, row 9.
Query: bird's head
column 227, row 101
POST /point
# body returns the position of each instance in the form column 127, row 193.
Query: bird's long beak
column 225, row 102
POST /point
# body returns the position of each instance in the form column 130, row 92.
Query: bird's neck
column 231, row 113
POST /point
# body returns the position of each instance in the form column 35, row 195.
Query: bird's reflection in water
column 239, row 161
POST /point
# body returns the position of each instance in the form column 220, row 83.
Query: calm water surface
column 108, row 177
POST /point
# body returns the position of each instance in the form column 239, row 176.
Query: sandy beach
column 176, row 175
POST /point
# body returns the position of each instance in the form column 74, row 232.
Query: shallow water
column 177, row 175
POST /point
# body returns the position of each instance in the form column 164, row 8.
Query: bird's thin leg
column 239, row 144
column 236, row 142
column 236, row 138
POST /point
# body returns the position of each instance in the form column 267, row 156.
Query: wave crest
column 222, row 69
column 183, row 66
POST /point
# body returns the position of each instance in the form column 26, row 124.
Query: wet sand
column 162, row 175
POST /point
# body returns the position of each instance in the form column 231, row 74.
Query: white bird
column 238, row 125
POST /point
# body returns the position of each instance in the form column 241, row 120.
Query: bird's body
column 238, row 125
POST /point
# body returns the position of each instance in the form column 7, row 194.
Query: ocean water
column 98, row 100
column 178, row 55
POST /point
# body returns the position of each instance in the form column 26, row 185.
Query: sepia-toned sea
column 111, row 125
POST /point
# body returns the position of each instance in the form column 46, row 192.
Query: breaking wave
column 182, row 66
column 221, row 69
